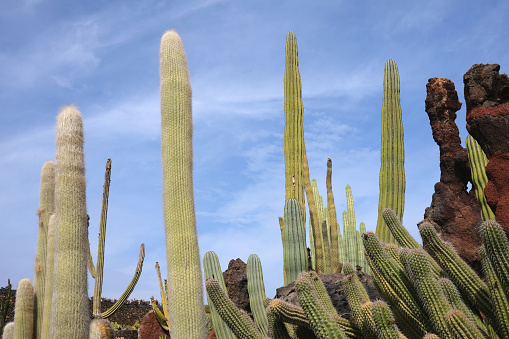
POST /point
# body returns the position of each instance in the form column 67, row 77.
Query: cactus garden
column 343, row 272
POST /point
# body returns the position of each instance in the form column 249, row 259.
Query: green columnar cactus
column 322, row 321
column 48, row 285
column 498, row 295
column 457, row 270
column 294, row 238
column 335, row 265
column 356, row 296
column 460, row 326
column 185, row 291
column 256, row 290
column 341, row 249
column 364, row 261
column 368, row 322
column 497, row 250
column 239, row 322
column 46, row 208
column 24, row 309
column 277, row 327
column 392, row 279
column 212, row 269
column 8, row 332
column 478, row 162
column 432, row 297
column 349, row 233
column 101, row 329
column 453, row 296
column 164, row 301
column 392, row 168
column 326, row 247
column 384, row 320
column 319, row 217
column 294, row 132
column 69, row 314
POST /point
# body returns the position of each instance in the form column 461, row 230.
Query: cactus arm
column 239, row 322
column 460, row 326
column 351, row 225
column 90, row 262
column 398, row 231
column 96, row 305
column 8, row 331
column 256, row 291
column 129, row 288
column 48, row 286
column 277, row 327
column 24, row 310
column 497, row 249
column 185, row 288
column 161, row 319
column 294, row 249
column 384, row 320
column 335, row 265
column 478, row 162
column 164, row 297
column 392, row 171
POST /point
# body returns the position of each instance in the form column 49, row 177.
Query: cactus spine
column 335, row 265
column 46, row 208
column 392, row 170
column 69, row 314
column 101, row 329
column 185, row 291
column 24, row 310
column 478, row 162
column 48, row 286
column 256, row 290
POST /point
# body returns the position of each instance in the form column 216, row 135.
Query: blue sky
column 103, row 56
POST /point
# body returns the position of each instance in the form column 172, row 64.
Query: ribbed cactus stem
column 478, row 162
column 101, row 329
column 398, row 231
column 356, row 296
column 256, row 290
column 239, row 322
column 8, row 332
column 498, row 295
column 185, row 291
column 69, row 314
column 212, row 269
column 463, row 276
column 392, row 168
column 364, row 261
column 497, row 249
column 384, row 320
column 24, row 310
column 335, row 265
column 460, row 326
column 48, row 286
column 164, row 297
column 46, row 208
column 349, row 234
column 294, row 238
column 277, row 327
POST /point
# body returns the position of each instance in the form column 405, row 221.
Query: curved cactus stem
column 276, row 326
column 129, row 288
column 398, row 231
column 164, row 297
column 497, row 248
column 161, row 319
column 460, row 326
column 384, row 320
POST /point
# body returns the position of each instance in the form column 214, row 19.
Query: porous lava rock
column 487, row 100
column 235, row 279
column 150, row 327
column 333, row 282
column 454, row 210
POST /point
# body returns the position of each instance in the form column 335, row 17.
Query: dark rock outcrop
column 453, row 209
column 235, row 279
column 150, row 328
column 487, row 100
column 334, row 284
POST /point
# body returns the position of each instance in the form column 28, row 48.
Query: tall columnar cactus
column 24, row 310
column 335, row 265
column 392, row 170
column 349, row 237
column 185, row 291
column 256, row 290
column 478, row 162
column 294, row 242
column 212, row 269
column 48, row 286
column 69, row 314
column 46, row 208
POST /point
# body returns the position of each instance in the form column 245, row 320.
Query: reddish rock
column 212, row 335
column 455, row 211
column 487, row 99
column 150, row 328
column 235, row 279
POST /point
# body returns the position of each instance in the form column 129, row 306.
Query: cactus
column 384, row 320
column 294, row 238
column 239, row 322
column 356, row 296
column 46, row 208
column 497, row 250
column 478, row 162
column 185, row 291
column 256, row 290
column 48, row 286
column 5, row 302
column 8, row 331
column 101, row 329
column 392, row 170
column 335, row 265
column 24, row 310
column 162, row 318
column 460, row 326
column 69, row 314
column 212, row 269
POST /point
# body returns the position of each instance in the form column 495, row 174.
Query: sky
column 103, row 57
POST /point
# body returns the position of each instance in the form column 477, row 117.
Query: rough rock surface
column 150, row 328
column 453, row 209
column 487, row 100
column 334, row 284
column 235, row 279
